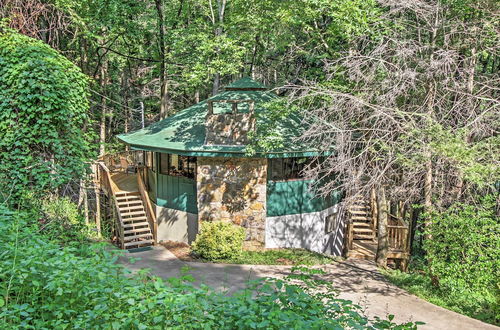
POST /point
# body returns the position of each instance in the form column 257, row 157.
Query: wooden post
column 383, row 241
column 85, row 204
column 95, row 169
column 374, row 210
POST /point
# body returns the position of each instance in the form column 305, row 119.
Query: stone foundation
column 233, row 189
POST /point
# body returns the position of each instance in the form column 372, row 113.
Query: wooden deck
column 123, row 182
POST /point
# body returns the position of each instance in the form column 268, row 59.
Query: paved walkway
column 358, row 281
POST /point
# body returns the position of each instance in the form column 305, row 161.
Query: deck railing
column 150, row 214
column 103, row 177
column 398, row 238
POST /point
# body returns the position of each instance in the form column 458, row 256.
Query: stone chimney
column 231, row 114
column 230, row 123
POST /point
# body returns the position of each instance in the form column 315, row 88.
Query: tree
column 414, row 106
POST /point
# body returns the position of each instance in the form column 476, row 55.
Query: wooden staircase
column 361, row 217
column 362, row 231
column 134, row 222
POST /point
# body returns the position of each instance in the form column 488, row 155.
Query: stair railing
column 398, row 236
column 150, row 214
column 104, row 179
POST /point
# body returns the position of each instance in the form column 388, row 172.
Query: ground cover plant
column 255, row 256
column 48, row 285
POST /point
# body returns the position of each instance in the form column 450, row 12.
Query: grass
column 280, row 257
column 258, row 256
column 472, row 304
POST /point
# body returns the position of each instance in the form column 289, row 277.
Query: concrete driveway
column 358, row 281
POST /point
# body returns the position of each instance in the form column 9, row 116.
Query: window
column 176, row 165
column 330, row 223
column 149, row 159
column 282, row 169
column 164, row 163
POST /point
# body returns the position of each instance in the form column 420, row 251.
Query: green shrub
column 61, row 220
column 462, row 261
column 46, row 286
column 219, row 240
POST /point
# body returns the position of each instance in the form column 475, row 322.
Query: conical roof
column 185, row 132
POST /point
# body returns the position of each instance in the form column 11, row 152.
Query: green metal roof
column 184, row 132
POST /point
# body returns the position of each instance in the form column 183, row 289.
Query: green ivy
column 43, row 116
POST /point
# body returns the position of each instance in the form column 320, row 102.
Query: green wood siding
column 293, row 197
column 176, row 192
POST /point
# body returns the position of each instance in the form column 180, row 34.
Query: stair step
column 362, row 230
column 360, row 218
column 129, row 220
column 362, row 224
column 147, row 241
column 127, row 197
column 141, row 212
column 127, row 193
column 129, row 203
column 135, row 231
column 130, row 238
column 359, row 212
column 129, row 208
column 362, row 236
column 136, row 225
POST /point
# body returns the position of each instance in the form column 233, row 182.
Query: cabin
column 195, row 166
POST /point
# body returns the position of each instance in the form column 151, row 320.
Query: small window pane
column 164, row 164
column 153, row 159
column 174, row 165
column 276, row 169
column 330, row 223
column 149, row 159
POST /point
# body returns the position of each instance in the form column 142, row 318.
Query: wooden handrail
column 104, row 178
column 398, row 238
column 150, row 214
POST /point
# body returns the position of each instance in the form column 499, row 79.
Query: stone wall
column 233, row 189
column 229, row 129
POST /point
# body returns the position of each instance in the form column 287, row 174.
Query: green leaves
column 42, row 116
column 219, row 240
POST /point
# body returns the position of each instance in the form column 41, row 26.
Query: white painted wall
column 175, row 225
column 306, row 231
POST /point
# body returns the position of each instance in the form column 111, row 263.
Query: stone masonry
column 233, row 189
column 229, row 129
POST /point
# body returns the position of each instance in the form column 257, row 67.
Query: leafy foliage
column 463, row 254
column 43, row 108
column 219, row 240
column 82, row 286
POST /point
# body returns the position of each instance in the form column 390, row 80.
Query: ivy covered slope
column 72, row 284
column 43, row 113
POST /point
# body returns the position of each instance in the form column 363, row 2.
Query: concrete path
column 358, row 281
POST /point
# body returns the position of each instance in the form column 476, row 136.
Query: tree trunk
column 162, row 53
column 383, row 242
column 102, row 128
column 221, row 8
